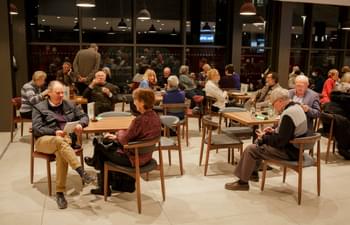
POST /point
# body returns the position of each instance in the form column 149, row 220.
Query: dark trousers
column 26, row 115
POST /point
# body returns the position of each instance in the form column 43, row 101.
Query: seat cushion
column 151, row 165
column 165, row 141
column 308, row 161
column 237, row 130
column 223, row 139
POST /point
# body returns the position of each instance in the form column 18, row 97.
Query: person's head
column 229, row 69
column 295, row 68
column 94, row 46
column 166, row 72
column 39, row 78
column 279, row 98
column 346, row 78
column 345, row 69
column 206, row 67
column 150, row 75
column 184, row 70
column 334, row 74
column 213, row 75
column 173, row 82
column 271, row 79
column 301, row 85
column 143, row 99
column 107, row 71
column 100, row 77
column 55, row 92
column 66, row 67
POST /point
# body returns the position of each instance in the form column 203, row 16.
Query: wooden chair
column 49, row 158
column 138, row 148
column 305, row 160
column 210, row 101
column 330, row 135
column 199, row 103
column 166, row 143
column 217, row 141
column 16, row 105
column 176, row 108
column 237, row 131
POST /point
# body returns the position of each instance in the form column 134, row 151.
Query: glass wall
column 197, row 57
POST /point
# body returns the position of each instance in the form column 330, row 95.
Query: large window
column 197, row 57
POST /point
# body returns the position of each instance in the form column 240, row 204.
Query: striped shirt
column 30, row 95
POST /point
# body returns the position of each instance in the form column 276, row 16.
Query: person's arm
column 284, row 135
column 327, row 89
column 131, row 133
column 32, row 97
column 113, row 93
column 214, row 91
column 87, row 93
column 81, row 116
column 39, row 124
column 98, row 60
column 144, row 84
column 314, row 109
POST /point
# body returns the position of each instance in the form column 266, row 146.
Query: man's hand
column 81, row 79
column 268, row 130
column 110, row 136
column 93, row 83
column 60, row 133
column 259, row 133
column 78, row 130
column 305, row 108
column 106, row 91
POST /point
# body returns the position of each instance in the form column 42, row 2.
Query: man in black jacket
column 49, row 119
column 272, row 143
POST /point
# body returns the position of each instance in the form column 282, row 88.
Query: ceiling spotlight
column 152, row 29
column 85, row 3
column 122, row 24
column 247, row 9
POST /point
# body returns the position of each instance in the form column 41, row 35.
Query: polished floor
column 190, row 199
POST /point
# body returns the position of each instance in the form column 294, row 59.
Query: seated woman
column 32, row 93
column 212, row 89
column 149, row 79
column 173, row 95
column 145, row 126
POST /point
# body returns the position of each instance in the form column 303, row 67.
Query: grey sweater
column 30, row 95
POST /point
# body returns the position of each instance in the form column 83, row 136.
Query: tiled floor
column 190, row 199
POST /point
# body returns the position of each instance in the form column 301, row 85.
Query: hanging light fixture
column 122, row 24
column 173, row 33
column 206, row 27
column 144, row 14
column 111, row 31
column 76, row 27
column 258, row 21
column 346, row 25
column 247, row 9
column 41, row 29
column 13, row 9
column 85, row 3
column 152, row 29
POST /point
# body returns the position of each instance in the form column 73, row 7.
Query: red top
column 144, row 127
column 328, row 86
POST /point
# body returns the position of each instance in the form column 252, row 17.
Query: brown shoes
column 237, row 186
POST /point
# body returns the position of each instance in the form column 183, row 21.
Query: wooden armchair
column 16, row 105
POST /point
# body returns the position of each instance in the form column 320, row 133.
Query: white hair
column 184, row 69
column 173, row 81
column 279, row 93
column 302, row 78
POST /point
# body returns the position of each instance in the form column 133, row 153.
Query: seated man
column 261, row 98
column 32, row 94
column 49, row 119
column 67, row 76
column 104, row 94
column 231, row 79
column 173, row 95
column 272, row 143
column 163, row 80
column 307, row 98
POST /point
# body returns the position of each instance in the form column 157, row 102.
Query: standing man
column 49, row 119
column 86, row 63
column 104, row 94
column 307, row 98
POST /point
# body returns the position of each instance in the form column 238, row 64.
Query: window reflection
column 197, row 57
column 298, row 58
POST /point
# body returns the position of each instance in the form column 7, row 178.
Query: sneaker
column 254, row 177
column 61, row 201
column 237, row 186
column 87, row 178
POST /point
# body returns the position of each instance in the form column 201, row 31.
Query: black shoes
column 61, row 200
column 89, row 161
column 254, row 177
column 99, row 191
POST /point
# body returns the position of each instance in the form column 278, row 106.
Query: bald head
column 166, row 72
column 56, row 92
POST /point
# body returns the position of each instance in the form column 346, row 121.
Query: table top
column 246, row 119
column 109, row 124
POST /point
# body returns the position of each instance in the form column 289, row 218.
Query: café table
column 109, row 124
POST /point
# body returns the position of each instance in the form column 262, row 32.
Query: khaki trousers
column 252, row 157
column 65, row 156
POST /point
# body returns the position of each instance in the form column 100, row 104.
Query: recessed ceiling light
column 58, row 17
column 160, row 28
column 158, row 21
column 43, row 20
column 75, row 18
column 94, row 28
column 127, row 19
column 93, row 18
column 162, row 24
column 107, row 22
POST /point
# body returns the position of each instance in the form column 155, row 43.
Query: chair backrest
column 113, row 114
column 209, row 124
column 210, row 101
column 142, row 147
column 174, row 108
column 169, row 121
column 328, row 117
column 305, row 143
column 16, row 102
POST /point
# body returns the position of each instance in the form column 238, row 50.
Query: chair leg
column 123, row 105
column 333, row 145
column 206, row 161
column 21, row 128
column 318, row 164
column 284, row 174
column 82, row 164
column 48, row 168
column 12, row 130
column 300, row 181
column 169, row 157
column 105, row 182
column 263, row 177
column 138, row 191
column 187, row 132
column 180, row 160
column 31, row 168
column 201, row 153
column 228, row 155
column 328, row 148
column 232, row 156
